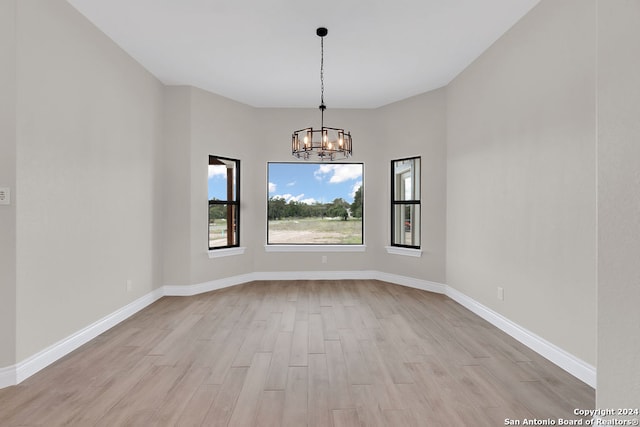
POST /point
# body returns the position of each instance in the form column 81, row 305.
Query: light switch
column 5, row 196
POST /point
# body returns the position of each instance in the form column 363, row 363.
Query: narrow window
column 224, row 202
column 405, row 202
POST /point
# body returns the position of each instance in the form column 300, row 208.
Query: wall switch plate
column 5, row 196
column 500, row 293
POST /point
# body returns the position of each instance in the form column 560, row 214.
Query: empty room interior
column 172, row 242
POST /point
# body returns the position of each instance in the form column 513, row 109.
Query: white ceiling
column 265, row 53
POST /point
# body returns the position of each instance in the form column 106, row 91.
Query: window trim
column 235, row 203
column 222, row 252
column 318, row 247
column 395, row 202
column 401, row 250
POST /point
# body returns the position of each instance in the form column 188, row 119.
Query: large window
column 224, row 202
column 315, row 203
column 405, row 202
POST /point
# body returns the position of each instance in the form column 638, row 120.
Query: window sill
column 315, row 248
column 395, row 250
column 219, row 253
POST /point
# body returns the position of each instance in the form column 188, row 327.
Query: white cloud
column 291, row 184
column 339, row 172
column 355, row 188
column 322, row 171
column 272, row 187
column 217, row 170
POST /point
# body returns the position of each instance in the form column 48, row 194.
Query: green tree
column 295, row 209
column 276, row 207
column 339, row 208
column 317, row 210
column 217, row 212
column 356, row 206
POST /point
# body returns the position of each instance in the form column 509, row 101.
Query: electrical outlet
column 500, row 293
column 129, row 285
column 324, row 259
column 5, row 196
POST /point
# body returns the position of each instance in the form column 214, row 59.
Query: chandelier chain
column 321, row 71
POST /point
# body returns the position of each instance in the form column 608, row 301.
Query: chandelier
column 326, row 143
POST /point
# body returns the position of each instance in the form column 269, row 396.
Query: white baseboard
column 312, row 275
column 15, row 374
column 213, row 285
column 576, row 367
column 411, row 282
column 8, row 376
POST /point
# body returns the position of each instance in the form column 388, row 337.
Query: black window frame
column 362, row 240
column 396, row 201
column 233, row 205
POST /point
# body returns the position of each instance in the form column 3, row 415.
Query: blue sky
column 305, row 182
column 313, row 182
column 217, row 182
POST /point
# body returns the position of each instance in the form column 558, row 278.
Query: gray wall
column 8, row 179
column 199, row 123
column 417, row 127
column 521, row 174
column 618, row 204
column 176, row 181
column 88, row 150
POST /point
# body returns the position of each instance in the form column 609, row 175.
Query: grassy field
column 301, row 230
column 218, row 233
column 316, row 230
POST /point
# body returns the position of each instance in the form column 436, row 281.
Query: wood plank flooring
column 298, row 353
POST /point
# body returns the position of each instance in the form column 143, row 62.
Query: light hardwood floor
column 298, row 353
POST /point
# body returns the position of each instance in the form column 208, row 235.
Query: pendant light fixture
column 326, row 143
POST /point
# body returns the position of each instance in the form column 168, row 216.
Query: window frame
column 314, row 247
column 396, row 201
column 233, row 206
